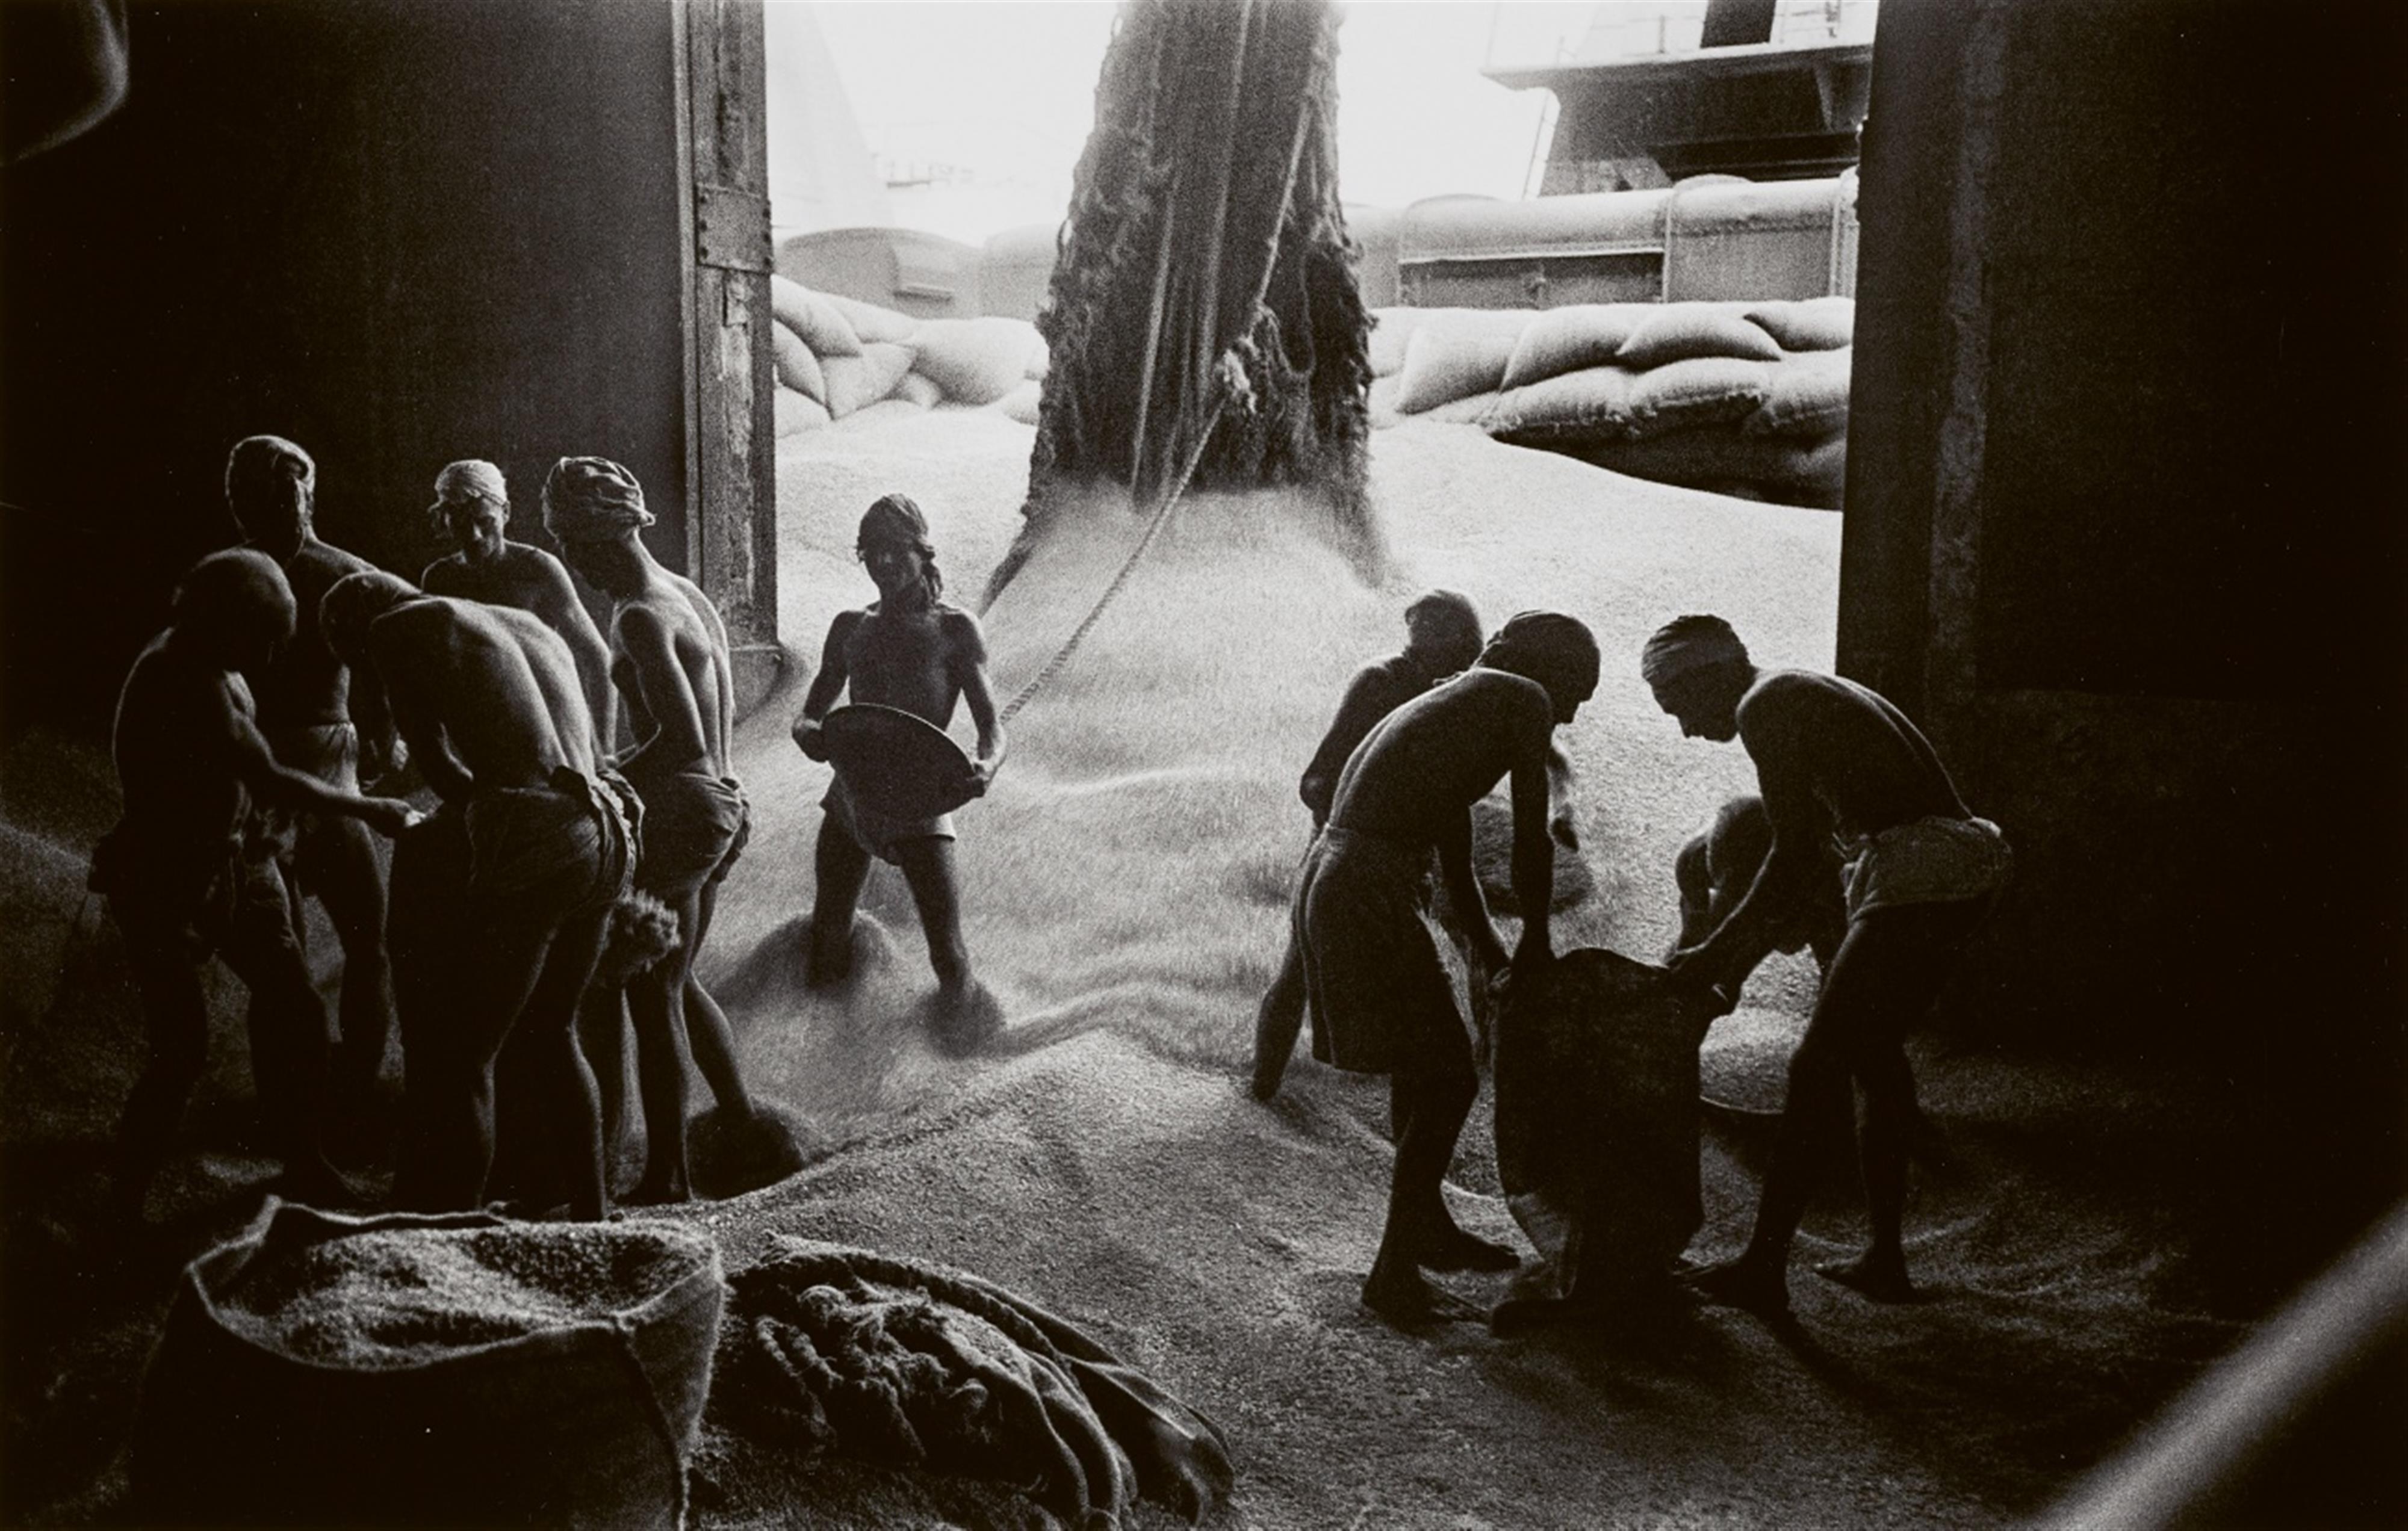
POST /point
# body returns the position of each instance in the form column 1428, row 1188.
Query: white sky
column 1002, row 91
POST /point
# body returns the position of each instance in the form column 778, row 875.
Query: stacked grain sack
column 838, row 358
column 1745, row 398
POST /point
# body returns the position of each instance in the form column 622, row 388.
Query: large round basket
column 896, row 763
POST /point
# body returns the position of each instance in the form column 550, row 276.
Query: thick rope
column 1128, row 566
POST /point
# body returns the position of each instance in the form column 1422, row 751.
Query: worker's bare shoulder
column 1506, row 693
column 322, row 563
column 415, row 633
column 644, row 622
column 443, row 576
column 525, row 557
column 1787, row 697
column 958, row 625
column 530, row 630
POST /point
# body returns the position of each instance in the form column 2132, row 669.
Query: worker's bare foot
column 1882, row 1278
column 1398, row 1292
column 1447, row 1247
column 1760, row 1289
column 966, row 1014
column 827, row 960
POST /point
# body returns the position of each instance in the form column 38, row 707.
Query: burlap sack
column 267, row 1404
column 1677, row 332
column 818, row 321
column 1596, row 1121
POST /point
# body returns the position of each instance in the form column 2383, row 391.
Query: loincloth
column 1378, row 988
column 696, row 825
column 1935, row 860
column 541, row 855
column 881, row 834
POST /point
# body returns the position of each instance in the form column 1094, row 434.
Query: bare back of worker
column 553, row 666
column 461, row 686
column 517, row 875
column 666, row 663
column 1823, row 744
column 1415, row 776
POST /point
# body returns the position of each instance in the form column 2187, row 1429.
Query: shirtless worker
column 1382, row 1000
column 1442, row 638
column 471, row 508
column 1834, row 761
column 307, row 705
column 503, row 898
column 185, row 879
column 913, row 650
column 669, row 661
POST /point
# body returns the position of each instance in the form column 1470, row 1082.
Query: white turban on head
column 472, row 479
column 592, row 499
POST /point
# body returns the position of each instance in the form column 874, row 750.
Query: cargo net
column 1203, row 319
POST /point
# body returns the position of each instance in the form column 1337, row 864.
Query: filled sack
column 820, row 324
column 431, row 1370
column 1819, row 323
column 1456, row 354
column 1598, row 1125
column 977, row 361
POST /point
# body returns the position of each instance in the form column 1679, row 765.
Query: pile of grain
column 394, row 1297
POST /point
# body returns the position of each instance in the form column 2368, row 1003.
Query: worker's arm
column 826, row 686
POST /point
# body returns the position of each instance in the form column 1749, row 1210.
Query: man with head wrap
column 501, row 899
column 186, row 877
column 1382, row 1000
column 317, row 721
column 670, row 664
column 471, row 509
column 910, row 650
column 1441, row 637
column 1837, row 764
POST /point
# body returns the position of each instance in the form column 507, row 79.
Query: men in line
column 914, row 651
column 1833, row 759
column 471, row 509
column 1381, row 997
column 501, row 900
column 1442, row 638
column 186, row 877
column 306, row 707
column 669, row 661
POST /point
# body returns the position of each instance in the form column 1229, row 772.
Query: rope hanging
column 1186, row 76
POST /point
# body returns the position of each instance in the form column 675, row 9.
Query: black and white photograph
column 1269, row 765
